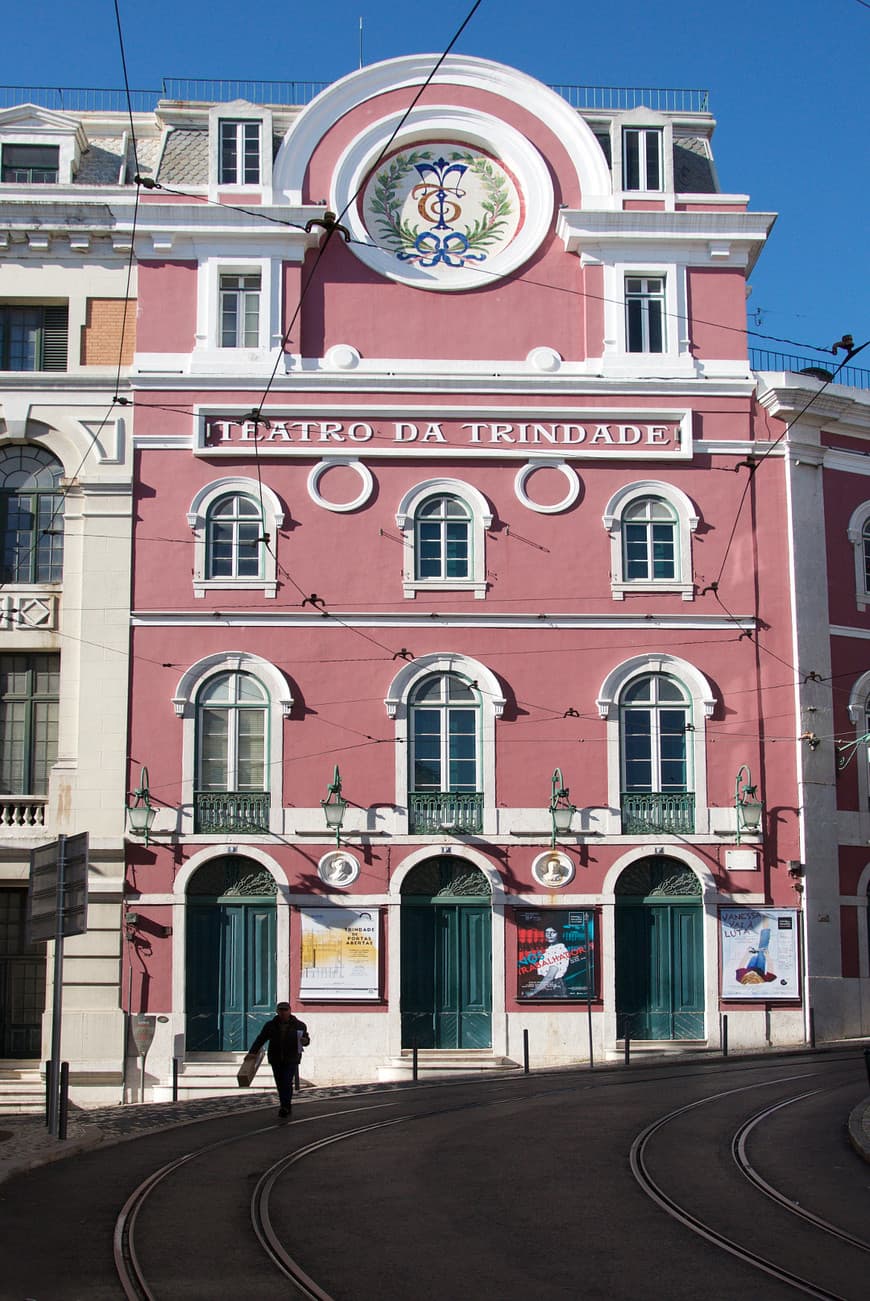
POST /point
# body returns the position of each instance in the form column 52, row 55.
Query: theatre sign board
column 574, row 433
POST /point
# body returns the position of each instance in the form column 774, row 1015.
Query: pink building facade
column 465, row 587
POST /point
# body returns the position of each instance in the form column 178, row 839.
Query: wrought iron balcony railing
column 242, row 812
column 435, row 812
column 648, row 813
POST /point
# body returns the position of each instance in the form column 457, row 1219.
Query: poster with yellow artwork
column 340, row 953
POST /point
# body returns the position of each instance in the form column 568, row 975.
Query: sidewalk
column 26, row 1144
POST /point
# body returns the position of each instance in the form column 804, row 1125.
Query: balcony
column 436, row 812
column 243, row 813
column 651, row 813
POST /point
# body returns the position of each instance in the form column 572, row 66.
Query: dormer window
column 642, row 158
column 239, row 152
column 30, row 164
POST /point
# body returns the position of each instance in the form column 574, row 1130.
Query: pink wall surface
column 717, row 312
column 166, row 314
column 843, row 493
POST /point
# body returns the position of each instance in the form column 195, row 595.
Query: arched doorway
column 659, row 951
column 446, row 993
column 230, row 957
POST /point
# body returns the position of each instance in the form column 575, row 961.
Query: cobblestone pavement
column 25, row 1142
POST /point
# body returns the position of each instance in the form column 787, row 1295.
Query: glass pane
column 251, row 741
column 636, row 552
column 459, row 690
column 429, row 689
column 218, row 690
column 214, row 736
column 631, row 160
column 653, row 156
column 640, row 690
column 656, row 326
column 668, row 689
column 249, row 689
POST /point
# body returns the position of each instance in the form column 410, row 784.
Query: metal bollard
column 812, row 1027
column 414, row 1061
column 63, row 1111
column 725, row 1034
column 627, row 1046
column 525, row 1052
column 867, row 1062
column 48, row 1093
column 175, row 1079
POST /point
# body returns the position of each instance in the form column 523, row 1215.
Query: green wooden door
column 230, row 973
column 659, row 970
column 446, row 975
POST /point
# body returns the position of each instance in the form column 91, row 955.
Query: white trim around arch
column 273, row 519
column 855, row 532
column 709, row 902
column 394, row 942
column 863, row 937
column 280, row 705
column 179, row 930
column 481, row 520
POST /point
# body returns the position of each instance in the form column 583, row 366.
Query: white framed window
column 651, row 525
column 239, row 150
column 445, row 707
column 642, row 158
column 24, row 164
column 645, row 314
column 859, row 715
column 858, row 532
column 240, row 309
column 235, row 523
column 232, row 706
column 444, row 523
column 656, row 707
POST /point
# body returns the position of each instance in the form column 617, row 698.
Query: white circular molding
column 338, row 869
column 571, row 476
column 320, row 469
column 546, row 360
column 342, row 356
column 438, row 264
column 553, row 869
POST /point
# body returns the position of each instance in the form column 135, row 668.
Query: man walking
column 285, row 1036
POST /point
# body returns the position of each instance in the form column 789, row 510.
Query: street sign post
column 57, row 907
column 143, row 1025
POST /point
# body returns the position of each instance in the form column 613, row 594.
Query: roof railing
column 92, row 99
column 821, row 368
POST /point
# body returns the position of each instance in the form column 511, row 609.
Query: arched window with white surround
column 445, row 707
column 444, row 523
column 656, row 708
column 31, row 514
column 232, row 707
column 859, row 715
column 651, row 525
column 235, row 523
column 858, row 532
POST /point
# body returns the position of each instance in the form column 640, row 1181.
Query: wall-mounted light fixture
column 561, row 808
column 141, row 813
column 334, row 806
column 749, row 809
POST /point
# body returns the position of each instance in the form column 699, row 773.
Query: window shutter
column 55, row 331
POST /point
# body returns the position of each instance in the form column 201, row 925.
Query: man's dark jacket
column 271, row 1035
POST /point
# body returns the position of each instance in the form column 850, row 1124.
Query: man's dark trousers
column 285, row 1073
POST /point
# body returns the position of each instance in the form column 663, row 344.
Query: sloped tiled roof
column 185, row 158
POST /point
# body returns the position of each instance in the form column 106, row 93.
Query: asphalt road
column 521, row 1187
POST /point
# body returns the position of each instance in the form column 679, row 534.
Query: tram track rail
column 638, row 1159
column 128, row 1255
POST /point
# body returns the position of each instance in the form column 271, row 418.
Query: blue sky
column 788, row 86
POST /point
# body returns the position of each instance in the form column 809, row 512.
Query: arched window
column 444, row 789
column 650, row 526
column 234, row 543
column 235, row 526
column 31, row 515
column 656, row 706
column 442, row 539
column 858, row 532
column 859, row 715
column 231, row 768
column 444, row 523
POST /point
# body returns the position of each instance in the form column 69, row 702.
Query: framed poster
column 760, row 957
column 340, row 953
column 555, row 954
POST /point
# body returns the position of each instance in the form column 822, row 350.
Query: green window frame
column 34, row 336
column 234, row 539
column 31, row 515
column 29, row 719
column 232, row 728
column 650, row 533
column 442, row 539
column 31, row 164
column 444, row 735
column 655, row 711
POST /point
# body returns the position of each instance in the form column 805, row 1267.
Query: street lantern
column 142, row 813
column 561, row 809
column 334, row 806
column 749, row 809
